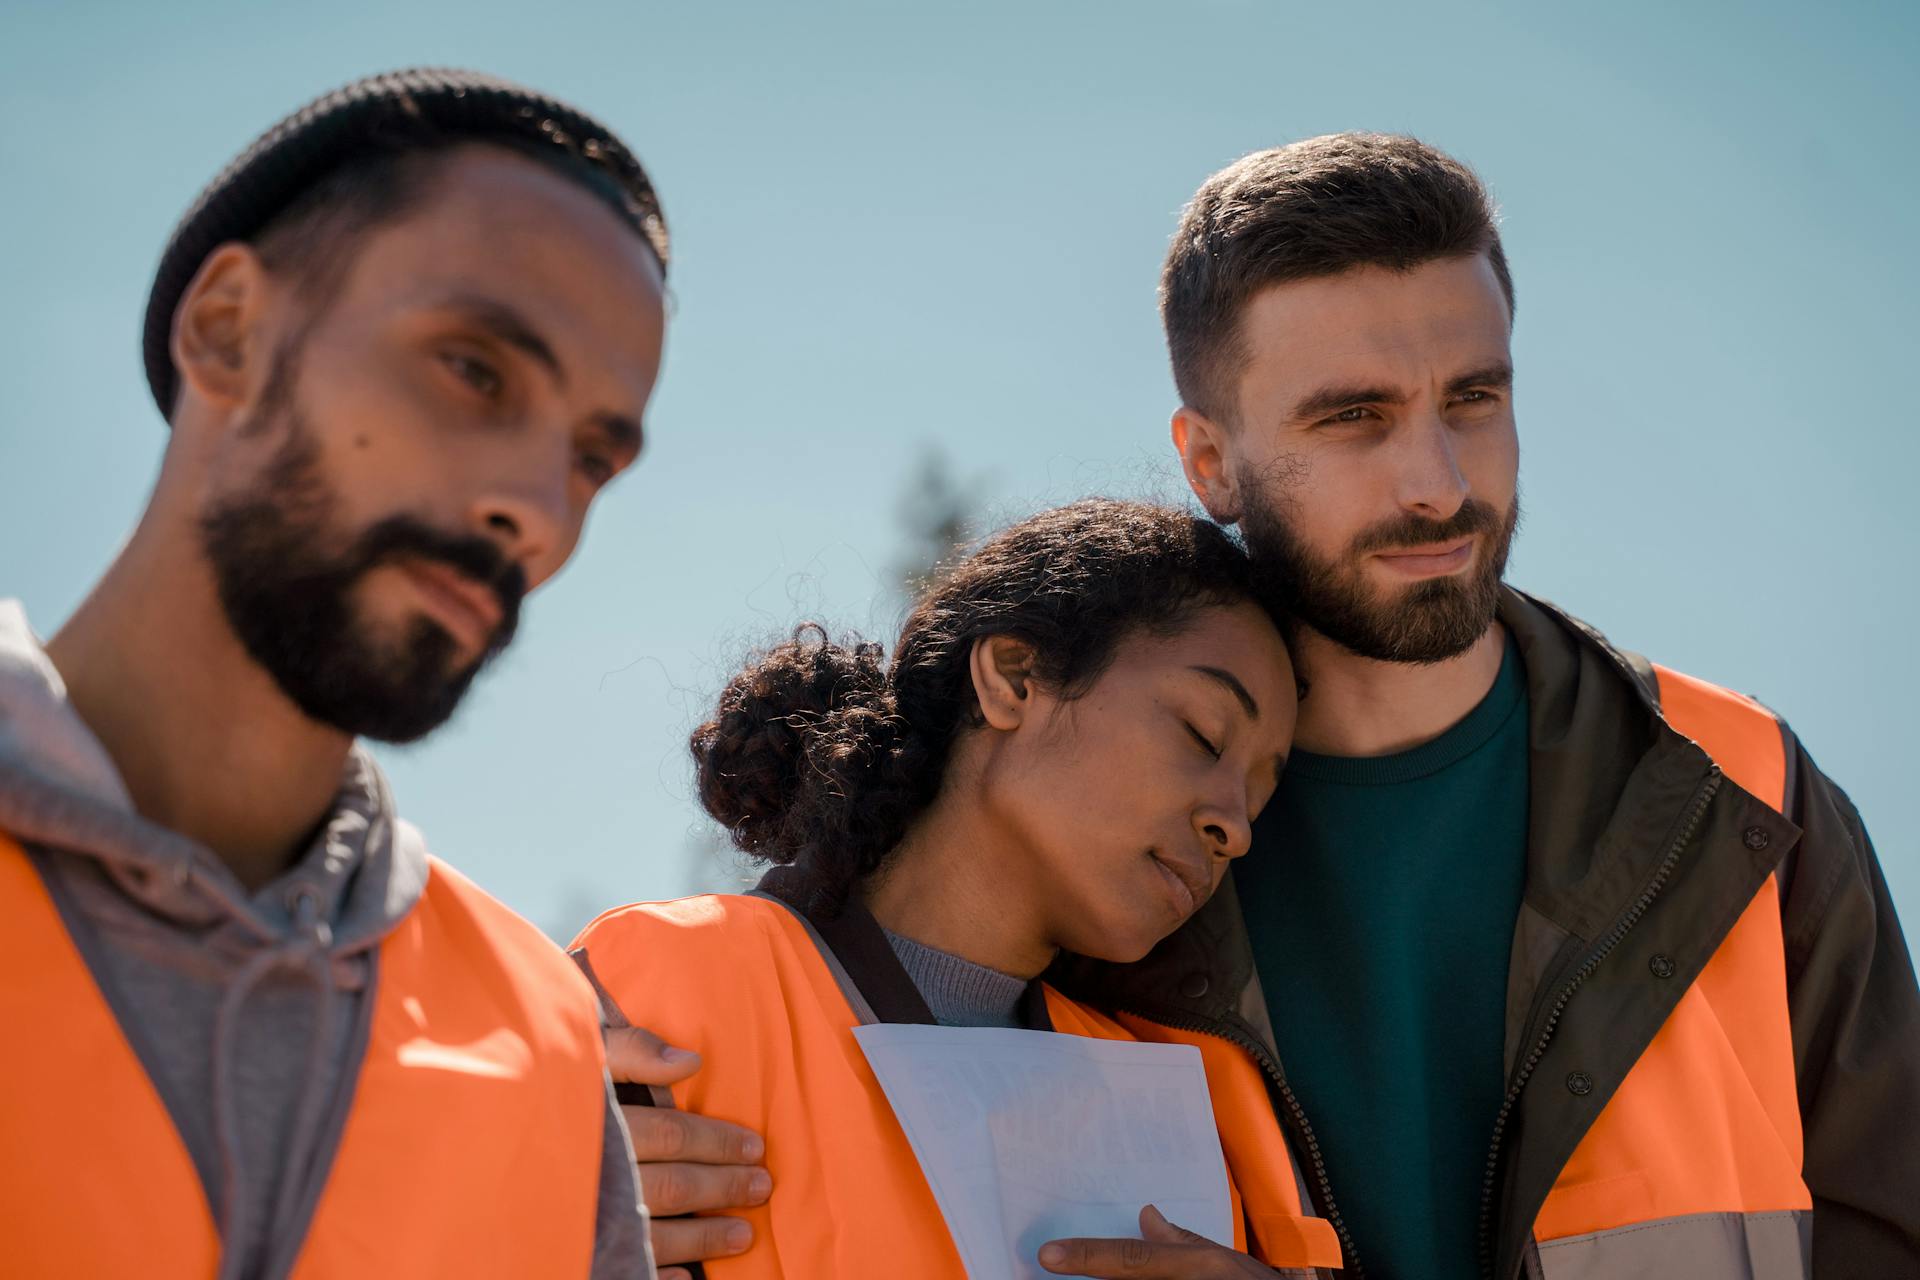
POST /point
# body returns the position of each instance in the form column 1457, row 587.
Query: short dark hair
column 1310, row 209
column 820, row 754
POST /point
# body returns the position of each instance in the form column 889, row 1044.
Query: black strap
column 856, row 940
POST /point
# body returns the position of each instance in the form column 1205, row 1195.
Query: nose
column 527, row 512
column 1431, row 483
column 1226, row 831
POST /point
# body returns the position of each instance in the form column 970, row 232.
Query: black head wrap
column 355, row 121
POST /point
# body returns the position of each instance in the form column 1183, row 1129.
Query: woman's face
column 1122, row 808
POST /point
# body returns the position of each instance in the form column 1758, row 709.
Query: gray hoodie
column 248, row 1010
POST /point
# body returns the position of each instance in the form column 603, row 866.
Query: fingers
column 663, row 1133
column 1147, row 1260
column 637, row 1056
column 674, row 1188
column 1154, row 1226
column 1118, row 1259
column 697, row 1240
column 1168, row 1252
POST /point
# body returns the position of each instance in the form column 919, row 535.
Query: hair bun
column 788, row 734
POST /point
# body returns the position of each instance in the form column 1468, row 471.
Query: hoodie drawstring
column 305, row 950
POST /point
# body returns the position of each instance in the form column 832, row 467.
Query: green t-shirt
column 1381, row 894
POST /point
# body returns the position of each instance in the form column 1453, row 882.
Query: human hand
column 687, row 1163
column 1165, row 1252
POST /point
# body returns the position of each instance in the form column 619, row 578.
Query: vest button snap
column 1194, row 985
column 1579, row 1084
column 1756, row 838
column 1662, row 966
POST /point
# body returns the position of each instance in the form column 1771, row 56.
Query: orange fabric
column 472, row 1150
column 1708, row 1120
column 1285, row 1233
column 742, row 981
column 1741, row 735
column 71, row 1089
column 473, row 1147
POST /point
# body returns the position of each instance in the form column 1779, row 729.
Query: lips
column 1184, row 879
column 1432, row 551
column 1433, row 558
column 469, row 609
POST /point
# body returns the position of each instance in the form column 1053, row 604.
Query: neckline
column 1468, row 735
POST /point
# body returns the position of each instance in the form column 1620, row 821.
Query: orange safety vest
column 1694, row 1166
column 472, row 1149
column 745, row 982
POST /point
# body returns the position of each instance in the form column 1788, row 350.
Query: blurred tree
column 939, row 515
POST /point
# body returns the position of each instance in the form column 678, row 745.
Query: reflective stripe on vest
column 472, row 1148
column 1693, row 1167
column 766, row 999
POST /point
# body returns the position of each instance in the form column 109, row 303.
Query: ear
column 216, row 327
column 1002, row 670
column 1206, row 453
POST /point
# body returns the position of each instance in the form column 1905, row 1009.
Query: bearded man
column 403, row 343
column 1563, row 963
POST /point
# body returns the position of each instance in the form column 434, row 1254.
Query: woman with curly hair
column 1077, row 729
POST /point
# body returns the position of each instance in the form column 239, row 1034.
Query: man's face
column 1374, row 464
column 424, row 450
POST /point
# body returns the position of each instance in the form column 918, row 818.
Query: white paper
column 1030, row 1136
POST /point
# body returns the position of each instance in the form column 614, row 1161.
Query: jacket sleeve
column 1856, row 1037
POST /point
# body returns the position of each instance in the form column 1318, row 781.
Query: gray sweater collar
column 959, row 992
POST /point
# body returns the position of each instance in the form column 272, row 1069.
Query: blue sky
column 908, row 226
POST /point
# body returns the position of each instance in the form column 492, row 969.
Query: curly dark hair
column 820, row 754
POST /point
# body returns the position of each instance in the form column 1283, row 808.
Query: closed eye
column 1205, row 745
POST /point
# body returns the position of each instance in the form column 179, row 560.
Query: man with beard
column 403, row 343
column 1558, row 963
column 1561, row 962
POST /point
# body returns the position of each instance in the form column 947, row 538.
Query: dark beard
column 1427, row 623
column 287, row 592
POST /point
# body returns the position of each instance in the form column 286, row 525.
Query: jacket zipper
column 1696, row 810
column 1295, row 1113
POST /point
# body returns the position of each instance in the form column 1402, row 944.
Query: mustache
column 476, row 558
column 1408, row 530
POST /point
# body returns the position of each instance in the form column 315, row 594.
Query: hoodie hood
column 60, row 790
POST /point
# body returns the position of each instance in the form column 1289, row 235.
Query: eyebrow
column 1332, row 399
column 1493, row 377
column 1231, row 683
column 1338, row 396
column 512, row 328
